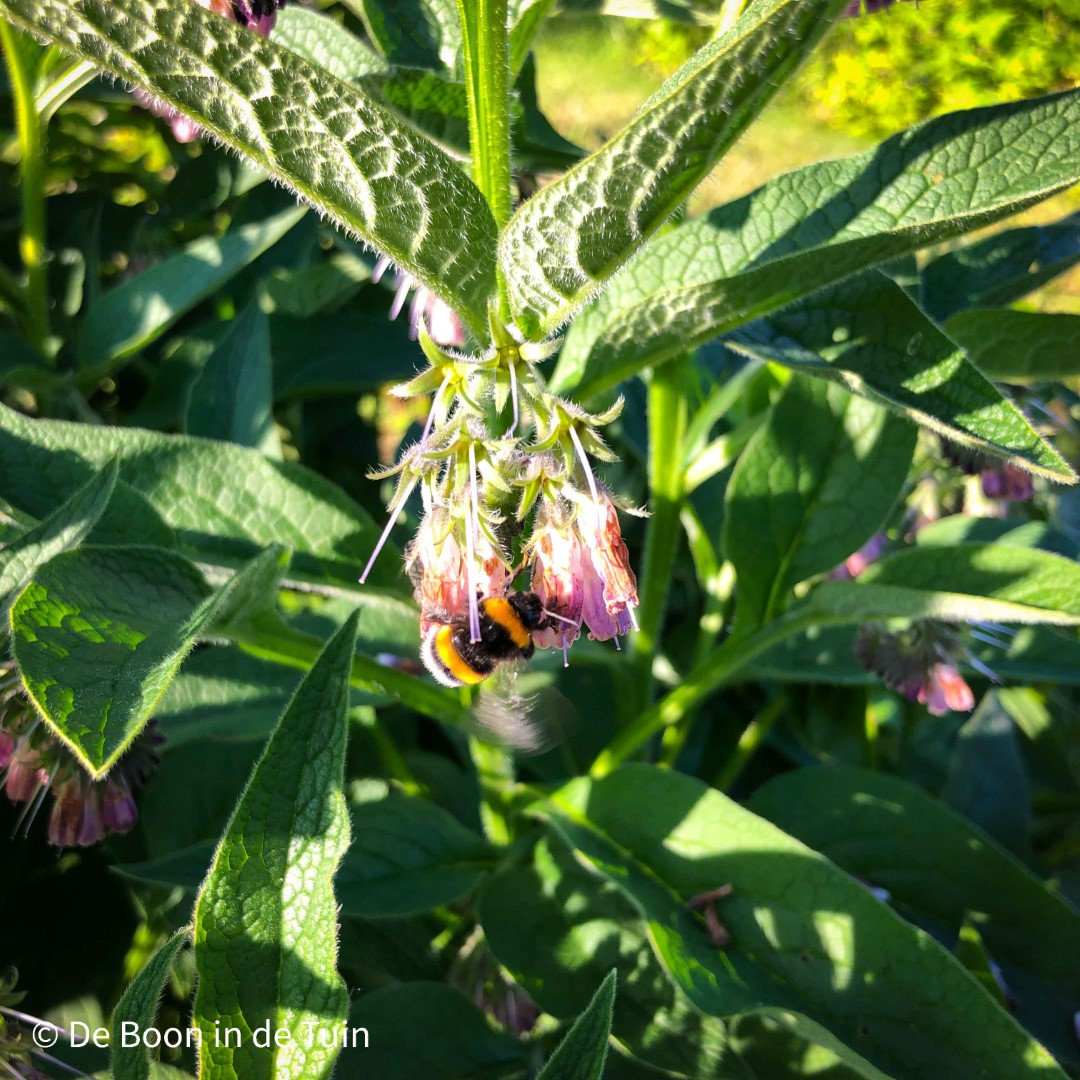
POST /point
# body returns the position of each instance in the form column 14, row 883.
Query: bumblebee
column 247, row 12
column 506, row 627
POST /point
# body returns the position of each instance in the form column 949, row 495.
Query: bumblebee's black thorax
column 506, row 627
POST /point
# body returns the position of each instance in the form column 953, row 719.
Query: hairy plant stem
column 487, row 80
column 32, row 186
column 667, row 431
column 705, row 679
column 750, row 741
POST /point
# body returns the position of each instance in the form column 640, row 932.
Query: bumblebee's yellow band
column 502, row 611
column 454, row 662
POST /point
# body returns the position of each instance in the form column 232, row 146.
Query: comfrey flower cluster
column 257, row 15
column 506, row 480
column 34, row 765
column 920, row 662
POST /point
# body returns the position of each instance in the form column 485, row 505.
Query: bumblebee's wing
column 523, row 714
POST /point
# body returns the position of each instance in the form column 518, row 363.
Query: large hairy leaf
column 806, row 939
column 580, row 1056
column 934, row 863
column 819, row 224
column 566, row 241
column 333, row 144
column 1019, row 346
column 868, row 335
column 812, row 487
column 224, row 502
column 99, row 634
column 266, row 918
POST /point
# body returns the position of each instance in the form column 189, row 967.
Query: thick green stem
column 667, row 431
column 704, row 680
column 757, row 731
column 487, row 80
column 32, row 185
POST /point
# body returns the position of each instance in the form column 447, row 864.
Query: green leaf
column 232, row 398
column 222, row 693
column 1019, row 346
column 1001, row 269
column 415, row 33
column 935, row 864
column 133, row 314
column 567, row 240
column 139, row 1006
column 427, row 1031
column 819, row 224
column 580, row 1056
column 971, row 952
column 323, row 41
column 988, row 781
column 814, row 484
column 339, row 354
column 1013, row 532
column 557, row 929
column 65, row 528
column 185, row 868
column 967, row 583
column 440, row 109
column 336, row 146
column 265, row 919
column 869, row 336
column 310, row 290
column 225, row 503
column 99, row 634
column 805, row 938
column 408, row 856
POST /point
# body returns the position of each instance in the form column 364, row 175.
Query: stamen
column 34, row 1021
column 399, row 297
column 37, row 800
column 982, row 668
column 382, row 264
column 416, row 312
column 556, row 615
column 386, row 531
column 633, row 617
column 513, row 396
column 565, row 653
column 989, row 639
column 618, row 647
column 431, row 411
column 470, row 551
column 584, row 464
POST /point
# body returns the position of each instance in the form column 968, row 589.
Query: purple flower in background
column 1007, row 482
column 34, row 765
column 855, row 564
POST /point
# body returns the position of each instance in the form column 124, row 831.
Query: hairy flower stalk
column 34, row 765
column 499, row 496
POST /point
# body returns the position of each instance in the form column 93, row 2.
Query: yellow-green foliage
column 878, row 73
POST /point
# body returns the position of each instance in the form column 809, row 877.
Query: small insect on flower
column 507, row 624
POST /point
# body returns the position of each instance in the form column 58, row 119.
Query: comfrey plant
column 840, row 713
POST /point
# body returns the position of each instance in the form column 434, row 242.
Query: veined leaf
column 1019, row 346
column 812, row 487
column 557, row 929
column 580, row 1056
column 66, row 527
column 819, row 224
column 408, row 856
column 232, row 399
column 967, row 583
column 330, row 142
column 934, row 863
column 225, row 503
column 415, row 33
column 266, row 919
column 323, row 41
column 805, row 938
column 458, row 1039
column 139, row 1006
column 868, row 335
column 134, row 313
column 98, row 635
column 567, row 240
column 1000, row 269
